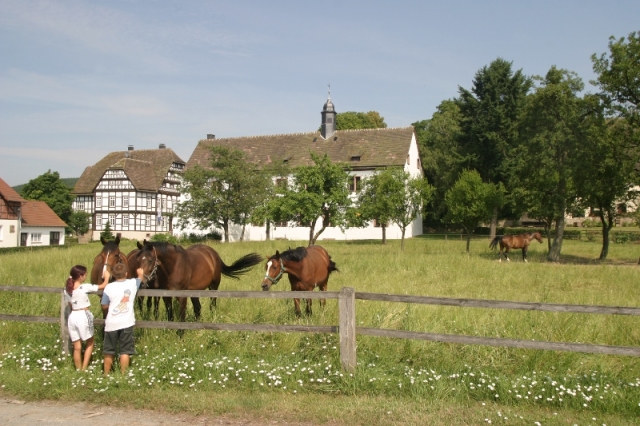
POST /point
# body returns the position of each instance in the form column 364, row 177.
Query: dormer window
column 355, row 158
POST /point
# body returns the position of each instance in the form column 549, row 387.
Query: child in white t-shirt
column 80, row 322
column 119, row 297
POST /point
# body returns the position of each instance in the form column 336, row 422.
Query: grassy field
column 297, row 376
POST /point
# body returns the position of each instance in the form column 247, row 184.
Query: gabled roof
column 8, row 193
column 146, row 168
column 38, row 213
column 375, row 147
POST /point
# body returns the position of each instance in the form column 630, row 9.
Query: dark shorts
column 122, row 337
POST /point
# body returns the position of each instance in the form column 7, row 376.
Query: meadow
column 297, row 377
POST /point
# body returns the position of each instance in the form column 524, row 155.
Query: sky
column 80, row 79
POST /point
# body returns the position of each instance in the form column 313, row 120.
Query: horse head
column 537, row 236
column 273, row 271
column 107, row 258
column 147, row 259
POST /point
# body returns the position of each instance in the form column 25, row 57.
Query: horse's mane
column 164, row 247
column 110, row 246
column 294, row 255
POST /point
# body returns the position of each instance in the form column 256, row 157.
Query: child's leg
column 77, row 354
column 108, row 362
column 87, row 353
column 125, row 360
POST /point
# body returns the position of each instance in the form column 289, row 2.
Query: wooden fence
column 346, row 327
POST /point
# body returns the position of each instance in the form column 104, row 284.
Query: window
column 1, row 238
column 112, row 220
column 98, row 201
column 163, row 203
column 112, row 200
column 419, row 164
column 54, row 238
column 125, row 201
column 146, row 220
column 148, row 202
column 408, row 159
column 354, row 184
column 36, row 238
column 80, row 205
column 125, row 221
column 355, row 158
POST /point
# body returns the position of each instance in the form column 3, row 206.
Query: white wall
column 8, row 239
column 44, row 234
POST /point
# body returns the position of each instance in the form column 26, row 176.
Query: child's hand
column 106, row 276
column 140, row 273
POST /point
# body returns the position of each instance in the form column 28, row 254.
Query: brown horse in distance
column 508, row 242
column 307, row 268
column 198, row 267
column 108, row 257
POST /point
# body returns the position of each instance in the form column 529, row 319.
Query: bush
column 164, row 238
column 591, row 223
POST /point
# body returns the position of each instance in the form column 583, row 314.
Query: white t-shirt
column 120, row 296
column 79, row 298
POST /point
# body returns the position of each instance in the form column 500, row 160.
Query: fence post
column 64, row 330
column 347, row 327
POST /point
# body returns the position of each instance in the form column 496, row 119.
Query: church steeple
column 328, row 126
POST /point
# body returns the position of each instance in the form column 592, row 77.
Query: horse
column 508, row 242
column 149, row 280
column 108, row 257
column 197, row 267
column 307, row 268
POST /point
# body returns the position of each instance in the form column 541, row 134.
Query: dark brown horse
column 307, row 268
column 149, row 281
column 508, row 242
column 197, row 267
column 108, row 257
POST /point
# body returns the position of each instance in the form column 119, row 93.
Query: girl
column 81, row 319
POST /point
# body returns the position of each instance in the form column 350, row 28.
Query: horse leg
column 148, row 303
column 183, row 308
column 323, row 287
column 197, row 308
column 168, row 303
column 506, row 254
column 156, row 305
column 308, row 308
column 524, row 254
column 296, row 303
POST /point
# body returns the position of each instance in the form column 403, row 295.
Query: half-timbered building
column 135, row 191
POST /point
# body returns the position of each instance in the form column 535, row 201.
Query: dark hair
column 75, row 274
column 119, row 271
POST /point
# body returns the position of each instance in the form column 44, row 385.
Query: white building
column 134, row 190
column 27, row 222
column 363, row 151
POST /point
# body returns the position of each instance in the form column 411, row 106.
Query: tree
column 607, row 170
column 79, row 222
column 415, row 194
column 351, row 120
column 489, row 124
column 319, row 192
column 226, row 193
column 438, row 138
column 49, row 188
column 106, row 233
column 619, row 77
column 552, row 132
column 471, row 201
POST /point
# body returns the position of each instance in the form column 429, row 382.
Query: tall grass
column 248, row 367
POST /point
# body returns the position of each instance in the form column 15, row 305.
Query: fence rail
column 346, row 328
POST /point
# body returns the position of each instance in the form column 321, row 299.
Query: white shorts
column 80, row 325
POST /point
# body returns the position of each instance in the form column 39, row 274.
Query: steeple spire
column 328, row 125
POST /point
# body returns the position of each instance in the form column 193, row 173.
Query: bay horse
column 197, row 267
column 508, row 242
column 149, row 281
column 307, row 268
column 107, row 259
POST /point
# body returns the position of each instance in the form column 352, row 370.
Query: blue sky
column 79, row 79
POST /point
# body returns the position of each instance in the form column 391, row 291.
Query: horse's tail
column 495, row 242
column 241, row 266
column 332, row 266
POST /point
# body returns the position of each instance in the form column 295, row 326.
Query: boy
column 118, row 297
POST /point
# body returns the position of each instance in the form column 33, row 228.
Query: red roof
column 38, row 213
column 8, row 193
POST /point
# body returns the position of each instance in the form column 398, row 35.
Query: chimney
column 162, row 146
column 210, row 136
column 130, row 148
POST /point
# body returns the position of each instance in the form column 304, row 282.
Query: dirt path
column 15, row 412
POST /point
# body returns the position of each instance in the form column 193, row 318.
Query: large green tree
column 552, row 131
column 471, row 201
column 226, row 192
column 619, row 77
column 49, row 188
column 438, row 138
column 490, row 112
column 351, row 120
column 80, row 222
column 318, row 192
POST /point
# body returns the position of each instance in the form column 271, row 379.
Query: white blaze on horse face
column 269, row 263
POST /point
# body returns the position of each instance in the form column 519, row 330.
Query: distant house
column 134, row 190
column 27, row 222
column 363, row 152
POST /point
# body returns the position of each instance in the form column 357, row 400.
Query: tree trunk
column 312, row 240
column 556, row 247
column 384, row 234
column 606, row 228
column 244, row 227
column 268, row 230
column 225, row 228
column 402, row 240
column 468, row 241
column 494, row 224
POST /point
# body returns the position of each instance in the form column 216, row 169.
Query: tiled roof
column 38, row 213
column 146, row 168
column 374, row 147
column 8, row 193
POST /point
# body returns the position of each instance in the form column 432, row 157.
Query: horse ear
column 139, row 245
column 277, row 254
column 102, row 240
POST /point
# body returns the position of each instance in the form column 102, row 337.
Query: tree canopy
column 351, row 120
column 48, row 187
